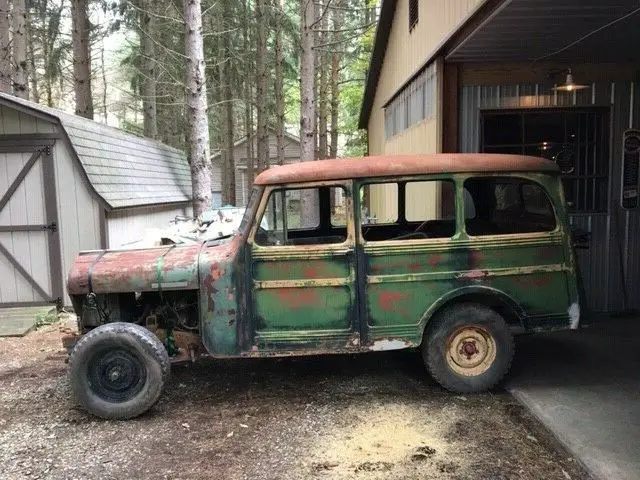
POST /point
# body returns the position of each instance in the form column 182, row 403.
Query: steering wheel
column 411, row 236
column 421, row 226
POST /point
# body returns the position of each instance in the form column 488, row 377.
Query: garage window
column 507, row 206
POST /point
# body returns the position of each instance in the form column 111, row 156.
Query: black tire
column 459, row 337
column 118, row 370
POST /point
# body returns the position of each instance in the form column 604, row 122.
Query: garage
column 69, row 184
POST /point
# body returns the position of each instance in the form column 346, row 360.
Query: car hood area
column 170, row 267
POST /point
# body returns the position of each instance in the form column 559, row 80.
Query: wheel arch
column 504, row 304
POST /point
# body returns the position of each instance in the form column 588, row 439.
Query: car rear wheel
column 118, row 370
column 468, row 348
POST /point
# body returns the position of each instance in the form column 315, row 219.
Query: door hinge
column 52, row 227
column 58, row 303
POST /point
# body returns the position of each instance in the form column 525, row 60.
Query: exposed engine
column 171, row 315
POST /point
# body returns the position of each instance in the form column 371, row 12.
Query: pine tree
column 196, row 102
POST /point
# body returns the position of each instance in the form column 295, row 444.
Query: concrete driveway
column 585, row 387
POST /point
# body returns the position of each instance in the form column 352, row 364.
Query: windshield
column 250, row 212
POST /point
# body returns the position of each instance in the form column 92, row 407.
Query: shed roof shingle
column 125, row 170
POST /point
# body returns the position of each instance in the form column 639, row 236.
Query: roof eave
column 147, row 205
column 385, row 21
column 466, row 28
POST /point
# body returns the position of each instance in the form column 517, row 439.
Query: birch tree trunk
column 19, row 40
column 5, row 48
column 147, row 32
column 309, row 211
column 261, row 86
column 81, row 58
column 279, row 86
column 196, row 108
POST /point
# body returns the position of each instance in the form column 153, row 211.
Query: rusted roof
column 384, row 166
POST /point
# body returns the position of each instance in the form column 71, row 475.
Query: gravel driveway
column 358, row 417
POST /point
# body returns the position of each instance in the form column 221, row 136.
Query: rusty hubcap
column 471, row 351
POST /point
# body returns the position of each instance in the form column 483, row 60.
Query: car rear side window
column 409, row 210
column 507, row 206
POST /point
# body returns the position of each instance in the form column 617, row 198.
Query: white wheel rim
column 471, row 351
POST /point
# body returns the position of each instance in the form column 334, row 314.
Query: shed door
column 30, row 271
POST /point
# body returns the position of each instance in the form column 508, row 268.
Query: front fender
column 219, row 297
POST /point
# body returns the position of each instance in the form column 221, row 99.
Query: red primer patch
column 388, row 300
column 297, row 297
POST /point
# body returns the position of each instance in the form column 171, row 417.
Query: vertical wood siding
column 615, row 236
column 129, row 225
column 30, row 249
column 78, row 209
column 407, row 51
column 27, row 206
column 419, row 138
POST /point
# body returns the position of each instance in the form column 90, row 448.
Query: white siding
column 12, row 122
column 31, row 248
column 78, row 210
column 129, row 225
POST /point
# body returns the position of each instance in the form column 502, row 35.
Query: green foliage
column 232, row 22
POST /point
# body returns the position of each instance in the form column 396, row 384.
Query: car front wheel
column 118, row 370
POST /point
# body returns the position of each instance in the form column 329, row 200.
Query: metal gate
column 30, row 263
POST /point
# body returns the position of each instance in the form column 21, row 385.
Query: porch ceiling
column 528, row 30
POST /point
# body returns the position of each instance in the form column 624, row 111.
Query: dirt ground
column 345, row 417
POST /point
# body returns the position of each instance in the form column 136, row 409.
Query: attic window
column 413, row 14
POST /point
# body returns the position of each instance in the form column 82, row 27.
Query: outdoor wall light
column 569, row 85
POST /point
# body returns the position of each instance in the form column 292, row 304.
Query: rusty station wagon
column 453, row 254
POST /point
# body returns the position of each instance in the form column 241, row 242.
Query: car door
column 302, row 269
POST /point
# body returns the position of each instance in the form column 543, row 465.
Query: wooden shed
column 291, row 155
column 69, row 184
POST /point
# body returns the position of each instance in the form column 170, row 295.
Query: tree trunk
column 20, row 78
column 323, row 92
column 279, row 86
column 196, row 100
column 261, row 86
column 336, row 58
column 248, row 103
column 228, row 105
column 309, row 211
column 32, row 72
column 147, row 34
column 228, row 167
column 225, row 184
column 5, row 48
column 103, row 71
column 81, row 58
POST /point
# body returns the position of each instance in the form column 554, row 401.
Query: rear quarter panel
column 406, row 281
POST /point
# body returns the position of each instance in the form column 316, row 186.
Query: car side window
column 507, row 206
column 303, row 216
column 410, row 210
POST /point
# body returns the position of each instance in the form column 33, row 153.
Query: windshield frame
column 251, row 208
